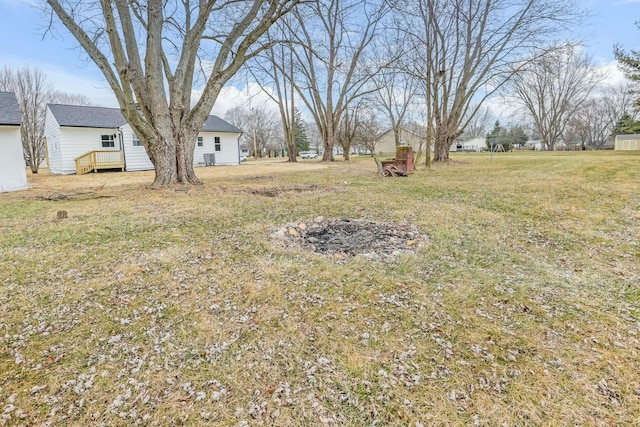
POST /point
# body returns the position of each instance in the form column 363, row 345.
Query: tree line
column 350, row 64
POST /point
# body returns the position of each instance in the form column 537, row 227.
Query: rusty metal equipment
column 401, row 165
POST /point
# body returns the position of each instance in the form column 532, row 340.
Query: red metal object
column 401, row 165
column 404, row 158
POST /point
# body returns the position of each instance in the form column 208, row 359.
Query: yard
column 518, row 304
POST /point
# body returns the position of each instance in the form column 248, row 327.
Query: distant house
column 78, row 135
column 386, row 143
column 627, row 142
column 13, row 175
column 471, row 143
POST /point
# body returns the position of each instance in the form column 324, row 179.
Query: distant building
column 627, row 142
column 472, row 144
column 13, row 175
column 414, row 138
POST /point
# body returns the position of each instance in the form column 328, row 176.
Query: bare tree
column 465, row 50
column 274, row 68
column 396, row 89
column 552, row 88
column 594, row 123
column 153, row 54
column 58, row 97
column 349, row 128
column 260, row 125
column 34, row 92
column 266, row 130
column 315, row 137
column 240, row 117
column 478, row 123
column 333, row 37
column 370, row 128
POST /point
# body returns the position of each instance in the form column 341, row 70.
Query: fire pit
column 341, row 239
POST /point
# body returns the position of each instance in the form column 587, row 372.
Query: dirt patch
column 54, row 196
column 341, row 239
column 276, row 191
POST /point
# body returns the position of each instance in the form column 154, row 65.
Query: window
column 200, row 141
column 108, row 141
column 136, row 141
column 217, row 143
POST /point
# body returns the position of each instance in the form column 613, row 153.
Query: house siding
column 13, row 174
column 135, row 157
column 77, row 141
column 627, row 142
column 386, row 143
column 66, row 143
column 54, row 146
column 229, row 152
column 476, row 144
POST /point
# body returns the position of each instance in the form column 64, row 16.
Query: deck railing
column 99, row 159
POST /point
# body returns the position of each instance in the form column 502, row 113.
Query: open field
column 177, row 307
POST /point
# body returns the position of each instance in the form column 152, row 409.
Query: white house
column 75, row 131
column 13, row 175
column 475, row 143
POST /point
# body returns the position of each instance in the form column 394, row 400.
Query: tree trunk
column 441, row 148
column 347, row 149
column 328, row 143
column 185, row 147
column 291, row 151
column 163, row 157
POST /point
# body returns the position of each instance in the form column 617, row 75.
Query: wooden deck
column 99, row 159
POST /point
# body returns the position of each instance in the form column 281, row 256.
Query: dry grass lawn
column 176, row 307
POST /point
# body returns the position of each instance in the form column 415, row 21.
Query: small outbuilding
column 627, row 142
column 13, row 174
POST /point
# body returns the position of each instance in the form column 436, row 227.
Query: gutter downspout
column 121, row 140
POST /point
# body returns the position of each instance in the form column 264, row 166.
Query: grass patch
column 176, row 307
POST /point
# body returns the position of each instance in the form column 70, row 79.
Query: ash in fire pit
column 345, row 238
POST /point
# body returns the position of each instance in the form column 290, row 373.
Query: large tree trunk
column 347, row 150
column 163, row 155
column 443, row 141
column 185, row 147
column 329, row 143
column 441, row 149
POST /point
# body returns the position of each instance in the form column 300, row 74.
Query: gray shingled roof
column 87, row 117
column 9, row 109
column 111, row 118
column 216, row 124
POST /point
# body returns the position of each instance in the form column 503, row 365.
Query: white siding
column 13, row 174
column 79, row 141
column 386, row 143
column 54, row 146
column 135, row 157
column 65, row 144
column 627, row 143
column 474, row 144
column 229, row 153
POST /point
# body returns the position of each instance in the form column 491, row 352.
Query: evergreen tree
column 629, row 63
column 302, row 140
column 517, row 136
column 626, row 125
column 497, row 136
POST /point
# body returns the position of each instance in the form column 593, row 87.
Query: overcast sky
column 22, row 29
